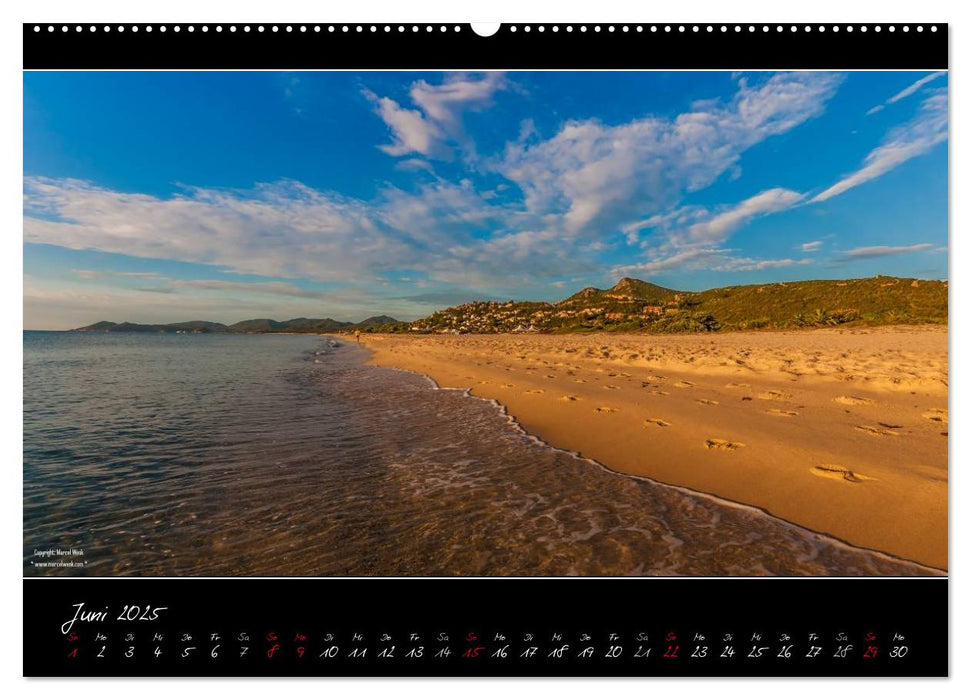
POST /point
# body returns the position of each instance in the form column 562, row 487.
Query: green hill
column 869, row 301
column 636, row 305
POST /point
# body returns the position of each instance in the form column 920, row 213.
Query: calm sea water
column 282, row 455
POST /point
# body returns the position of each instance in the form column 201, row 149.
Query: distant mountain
column 313, row 325
column 636, row 305
column 375, row 321
column 256, row 325
column 200, row 326
column 128, row 327
column 102, row 326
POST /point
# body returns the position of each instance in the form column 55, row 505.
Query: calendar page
column 453, row 350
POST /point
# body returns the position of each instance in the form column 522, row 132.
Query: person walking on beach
column 357, row 334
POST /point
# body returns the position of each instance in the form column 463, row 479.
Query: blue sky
column 163, row 196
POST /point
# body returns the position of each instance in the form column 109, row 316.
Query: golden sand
column 841, row 431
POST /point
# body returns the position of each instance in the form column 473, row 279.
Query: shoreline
column 715, row 498
column 883, row 489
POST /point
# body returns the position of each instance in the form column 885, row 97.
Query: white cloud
column 721, row 225
column 414, row 164
column 284, row 229
column 288, row 230
column 811, row 246
column 711, row 259
column 98, row 274
column 436, row 124
column 167, row 285
column 592, row 177
column 927, row 129
column 412, row 132
column 882, row 251
column 692, row 238
column 445, row 102
column 908, row 91
column 282, row 289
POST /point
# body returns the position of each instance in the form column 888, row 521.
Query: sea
column 288, row 455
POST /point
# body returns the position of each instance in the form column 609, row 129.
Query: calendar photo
column 494, row 323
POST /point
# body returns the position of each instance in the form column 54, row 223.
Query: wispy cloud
column 712, row 259
column 283, row 229
column 908, row 91
column 927, row 129
column 282, row 289
column 593, row 176
column 699, row 244
column 882, row 251
column 811, row 246
column 100, row 274
column 449, row 298
column 719, row 226
column 435, row 127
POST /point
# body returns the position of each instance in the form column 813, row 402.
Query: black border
column 917, row 606
column 523, row 46
column 632, row 614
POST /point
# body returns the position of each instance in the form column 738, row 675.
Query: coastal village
column 637, row 306
column 631, row 302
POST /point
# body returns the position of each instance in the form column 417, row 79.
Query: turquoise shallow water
column 287, row 455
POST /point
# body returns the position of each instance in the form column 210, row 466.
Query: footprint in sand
column 938, row 415
column 507, row 386
column 840, row 473
column 610, row 386
column 684, row 384
column 737, row 385
column 720, row 444
column 658, row 422
column 781, row 412
column 659, row 392
column 853, row 401
column 773, row 395
column 580, row 381
column 605, row 409
column 707, row 402
column 874, row 430
column 551, row 376
column 570, row 398
column 655, row 378
column 535, row 391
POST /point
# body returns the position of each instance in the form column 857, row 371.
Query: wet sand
column 841, row 431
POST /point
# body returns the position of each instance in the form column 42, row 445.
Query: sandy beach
column 841, row 431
